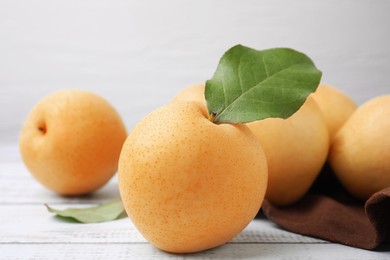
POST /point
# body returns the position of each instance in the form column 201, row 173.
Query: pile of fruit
column 194, row 173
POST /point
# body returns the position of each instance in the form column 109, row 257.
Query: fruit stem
column 212, row 116
column 42, row 129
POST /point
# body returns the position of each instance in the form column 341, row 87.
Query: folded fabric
column 328, row 212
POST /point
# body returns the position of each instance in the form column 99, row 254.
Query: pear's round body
column 360, row 152
column 71, row 141
column 335, row 106
column 188, row 184
column 296, row 149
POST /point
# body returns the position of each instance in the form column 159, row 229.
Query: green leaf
column 251, row 85
column 105, row 212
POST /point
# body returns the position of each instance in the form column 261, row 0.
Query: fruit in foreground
column 188, row 184
column 71, row 141
column 335, row 106
column 296, row 149
column 360, row 152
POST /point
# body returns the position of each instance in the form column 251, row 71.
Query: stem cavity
column 212, row 116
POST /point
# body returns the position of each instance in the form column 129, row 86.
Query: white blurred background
column 139, row 54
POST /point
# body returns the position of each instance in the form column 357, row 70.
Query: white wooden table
column 29, row 231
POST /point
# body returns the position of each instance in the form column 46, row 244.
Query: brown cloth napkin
column 328, row 212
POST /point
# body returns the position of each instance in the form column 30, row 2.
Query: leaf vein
column 251, row 88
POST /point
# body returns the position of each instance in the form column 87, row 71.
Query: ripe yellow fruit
column 71, row 141
column 335, row 106
column 194, row 92
column 188, row 184
column 360, row 152
column 296, row 149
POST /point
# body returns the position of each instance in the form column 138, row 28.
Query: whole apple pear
column 360, row 151
column 187, row 183
column 71, row 141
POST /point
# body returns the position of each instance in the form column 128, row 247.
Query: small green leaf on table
column 251, row 85
column 105, row 212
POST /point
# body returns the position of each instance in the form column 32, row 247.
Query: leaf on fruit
column 105, row 212
column 251, row 85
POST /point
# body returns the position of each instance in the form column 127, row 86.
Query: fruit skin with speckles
column 188, row 184
column 71, row 141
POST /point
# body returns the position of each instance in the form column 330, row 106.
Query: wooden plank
column 34, row 224
column 146, row 251
column 19, row 187
column 28, row 231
